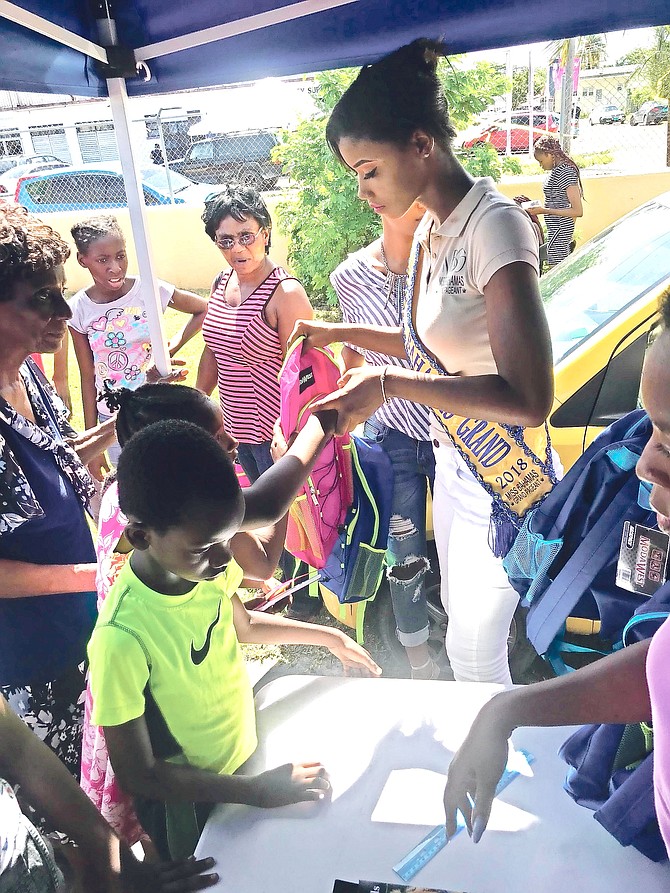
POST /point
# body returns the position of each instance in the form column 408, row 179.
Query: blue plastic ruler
column 436, row 840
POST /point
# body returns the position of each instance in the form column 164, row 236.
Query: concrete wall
column 185, row 256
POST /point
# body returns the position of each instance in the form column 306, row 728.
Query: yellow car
column 602, row 305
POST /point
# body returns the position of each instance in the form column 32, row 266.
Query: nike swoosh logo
column 199, row 654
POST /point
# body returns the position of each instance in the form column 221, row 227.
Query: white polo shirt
column 485, row 232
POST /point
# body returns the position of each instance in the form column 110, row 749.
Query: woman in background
column 563, row 194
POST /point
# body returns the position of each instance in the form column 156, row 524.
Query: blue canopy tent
column 63, row 47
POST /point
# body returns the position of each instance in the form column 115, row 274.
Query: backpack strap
column 547, row 614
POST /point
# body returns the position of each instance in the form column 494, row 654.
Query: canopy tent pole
column 118, row 99
column 36, row 23
column 238, row 26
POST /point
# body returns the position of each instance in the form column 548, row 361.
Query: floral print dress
column 97, row 776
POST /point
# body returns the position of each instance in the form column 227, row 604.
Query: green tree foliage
column 322, row 215
column 520, row 85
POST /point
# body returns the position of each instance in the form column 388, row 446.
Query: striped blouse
column 360, row 289
column 248, row 355
column 560, row 230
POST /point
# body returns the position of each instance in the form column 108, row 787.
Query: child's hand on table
column 291, row 783
column 352, row 656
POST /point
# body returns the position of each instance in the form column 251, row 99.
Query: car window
column 201, row 152
column 599, row 280
column 63, row 190
column 157, row 178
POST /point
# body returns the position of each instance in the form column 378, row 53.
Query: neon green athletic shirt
column 176, row 660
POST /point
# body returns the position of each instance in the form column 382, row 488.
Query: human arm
column 351, row 358
column 187, row 302
column 258, row 552
column 575, row 210
column 383, row 339
column 21, row 579
column 94, row 441
column 254, row 627
column 521, row 392
column 270, row 497
column 288, row 304
column 107, row 865
column 141, row 774
column 612, row 690
column 97, row 465
column 207, row 372
column 60, row 376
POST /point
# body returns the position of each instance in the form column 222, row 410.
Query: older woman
column 47, row 569
column 253, row 307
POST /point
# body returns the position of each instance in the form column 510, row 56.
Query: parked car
column 10, row 178
column 94, row 185
column 496, row 133
column 602, row 307
column 244, row 158
column 650, row 113
column 607, row 114
column 10, row 161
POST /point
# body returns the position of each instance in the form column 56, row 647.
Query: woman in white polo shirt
column 473, row 330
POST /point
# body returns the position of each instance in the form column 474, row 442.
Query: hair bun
column 113, row 397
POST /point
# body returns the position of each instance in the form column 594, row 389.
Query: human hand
column 290, row 783
column 535, row 210
column 316, row 334
column 177, row 373
column 475, row 771
column 360, row 394
column 98, row 467
column 164, row 877
column 352, row 656
column 278, row 445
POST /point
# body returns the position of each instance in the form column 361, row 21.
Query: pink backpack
column 320, row 508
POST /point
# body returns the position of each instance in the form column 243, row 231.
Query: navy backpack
column 563, row 562
column 611, row 766
column 355, row 567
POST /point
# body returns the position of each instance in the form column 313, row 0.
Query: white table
column 538, row 840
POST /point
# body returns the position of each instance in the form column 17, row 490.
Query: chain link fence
column 618, row 125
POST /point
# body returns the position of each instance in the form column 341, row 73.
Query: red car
column 496, row 134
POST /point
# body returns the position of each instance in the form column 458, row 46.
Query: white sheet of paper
column 411, row 797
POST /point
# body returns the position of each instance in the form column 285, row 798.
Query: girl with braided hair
column 563, row 195
column 256, row 547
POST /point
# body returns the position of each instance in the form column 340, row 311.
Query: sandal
column 429, row 670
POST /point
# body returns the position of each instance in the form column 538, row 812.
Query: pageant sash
column 512, row 463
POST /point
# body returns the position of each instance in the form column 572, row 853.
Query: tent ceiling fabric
column 349, row 35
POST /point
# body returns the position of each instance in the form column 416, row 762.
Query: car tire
column 525, row 665
column 633, row 122
column 249, row 175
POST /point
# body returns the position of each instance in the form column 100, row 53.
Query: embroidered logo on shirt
column 450, row 282
column 199, row 654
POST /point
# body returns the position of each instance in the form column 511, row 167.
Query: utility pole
column 566, row 97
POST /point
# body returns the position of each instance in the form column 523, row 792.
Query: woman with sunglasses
column 253, row 307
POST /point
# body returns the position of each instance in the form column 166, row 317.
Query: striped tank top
column 248, row 357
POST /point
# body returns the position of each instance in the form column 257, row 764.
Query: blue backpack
column 563, row 562
column 611, row 766
column 354, row 569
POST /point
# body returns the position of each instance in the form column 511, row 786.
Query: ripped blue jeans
column 414, row 470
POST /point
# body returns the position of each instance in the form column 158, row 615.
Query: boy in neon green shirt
column 168, row 678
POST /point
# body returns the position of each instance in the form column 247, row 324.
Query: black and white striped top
column 560, row 230
column 361, row 291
